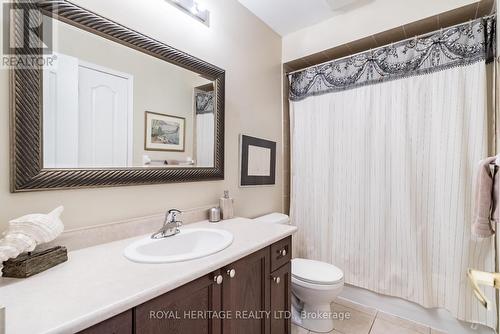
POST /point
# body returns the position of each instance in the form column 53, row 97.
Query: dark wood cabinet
column 246, row 296
column 188, row 309
column 249, row 296
column 281, row 302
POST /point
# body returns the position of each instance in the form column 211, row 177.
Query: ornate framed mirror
column 107, row 105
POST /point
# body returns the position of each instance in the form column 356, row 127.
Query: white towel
column 487, row 196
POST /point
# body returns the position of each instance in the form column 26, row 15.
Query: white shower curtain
column 205, row 139
column 382, row 186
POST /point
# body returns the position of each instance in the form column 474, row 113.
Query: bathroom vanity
column 100, row 291
column 253, row 293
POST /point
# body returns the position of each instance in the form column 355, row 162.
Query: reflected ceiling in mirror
column 106, row 105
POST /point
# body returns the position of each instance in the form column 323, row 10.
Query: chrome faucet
column 170, row 225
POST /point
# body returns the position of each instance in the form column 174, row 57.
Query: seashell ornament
column 25, row 233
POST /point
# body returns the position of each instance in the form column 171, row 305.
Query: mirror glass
column 106, row 105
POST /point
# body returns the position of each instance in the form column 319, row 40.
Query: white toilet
column 315, row 284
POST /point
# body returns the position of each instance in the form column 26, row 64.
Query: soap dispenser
column 226, row 206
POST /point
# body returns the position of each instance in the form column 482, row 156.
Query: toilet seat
column 311, row 272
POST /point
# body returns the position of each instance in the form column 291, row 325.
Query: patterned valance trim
column 459, row 45
column 204, row 102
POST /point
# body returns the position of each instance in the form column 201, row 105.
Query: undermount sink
column 189, row 244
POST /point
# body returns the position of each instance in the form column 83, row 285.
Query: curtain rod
column 403, row 40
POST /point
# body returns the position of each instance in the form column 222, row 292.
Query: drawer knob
column 218, row 279
column 277, row 280
column 283, row 252
column 231, row 273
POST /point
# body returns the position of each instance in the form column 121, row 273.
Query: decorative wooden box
column 29, row 264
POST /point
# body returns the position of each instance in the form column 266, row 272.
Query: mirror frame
column 26, row 141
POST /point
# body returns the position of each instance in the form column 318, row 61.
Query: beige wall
column 374, row 17
column 237, row 42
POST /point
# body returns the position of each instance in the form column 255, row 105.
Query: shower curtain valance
column 204, row 102
column 456, row 46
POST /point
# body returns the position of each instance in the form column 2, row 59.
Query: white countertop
column 98, row 283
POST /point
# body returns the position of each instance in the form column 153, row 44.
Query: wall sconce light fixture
column 194, row 9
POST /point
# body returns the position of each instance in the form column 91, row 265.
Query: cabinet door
column 281, row 283
column 246, row 295
column 188, row 309
column 120, row 324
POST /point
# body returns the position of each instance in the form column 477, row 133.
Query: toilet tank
column 274, row 218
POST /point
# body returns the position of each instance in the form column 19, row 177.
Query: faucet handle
column 173, row 214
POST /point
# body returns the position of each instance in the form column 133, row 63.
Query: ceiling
column 287, row 16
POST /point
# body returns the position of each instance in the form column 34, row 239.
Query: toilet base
column 317, row 318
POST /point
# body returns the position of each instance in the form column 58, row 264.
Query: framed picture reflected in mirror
column 164, row 132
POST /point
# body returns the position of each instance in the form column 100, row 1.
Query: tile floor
column 365, row 320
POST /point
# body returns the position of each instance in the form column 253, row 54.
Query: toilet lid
column 276, row 218
column 316, row 272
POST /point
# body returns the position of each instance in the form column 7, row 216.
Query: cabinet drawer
column 281, row 253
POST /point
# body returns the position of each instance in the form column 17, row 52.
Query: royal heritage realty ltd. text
column 244, row 315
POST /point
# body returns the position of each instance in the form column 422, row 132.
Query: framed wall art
column 258, row 161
